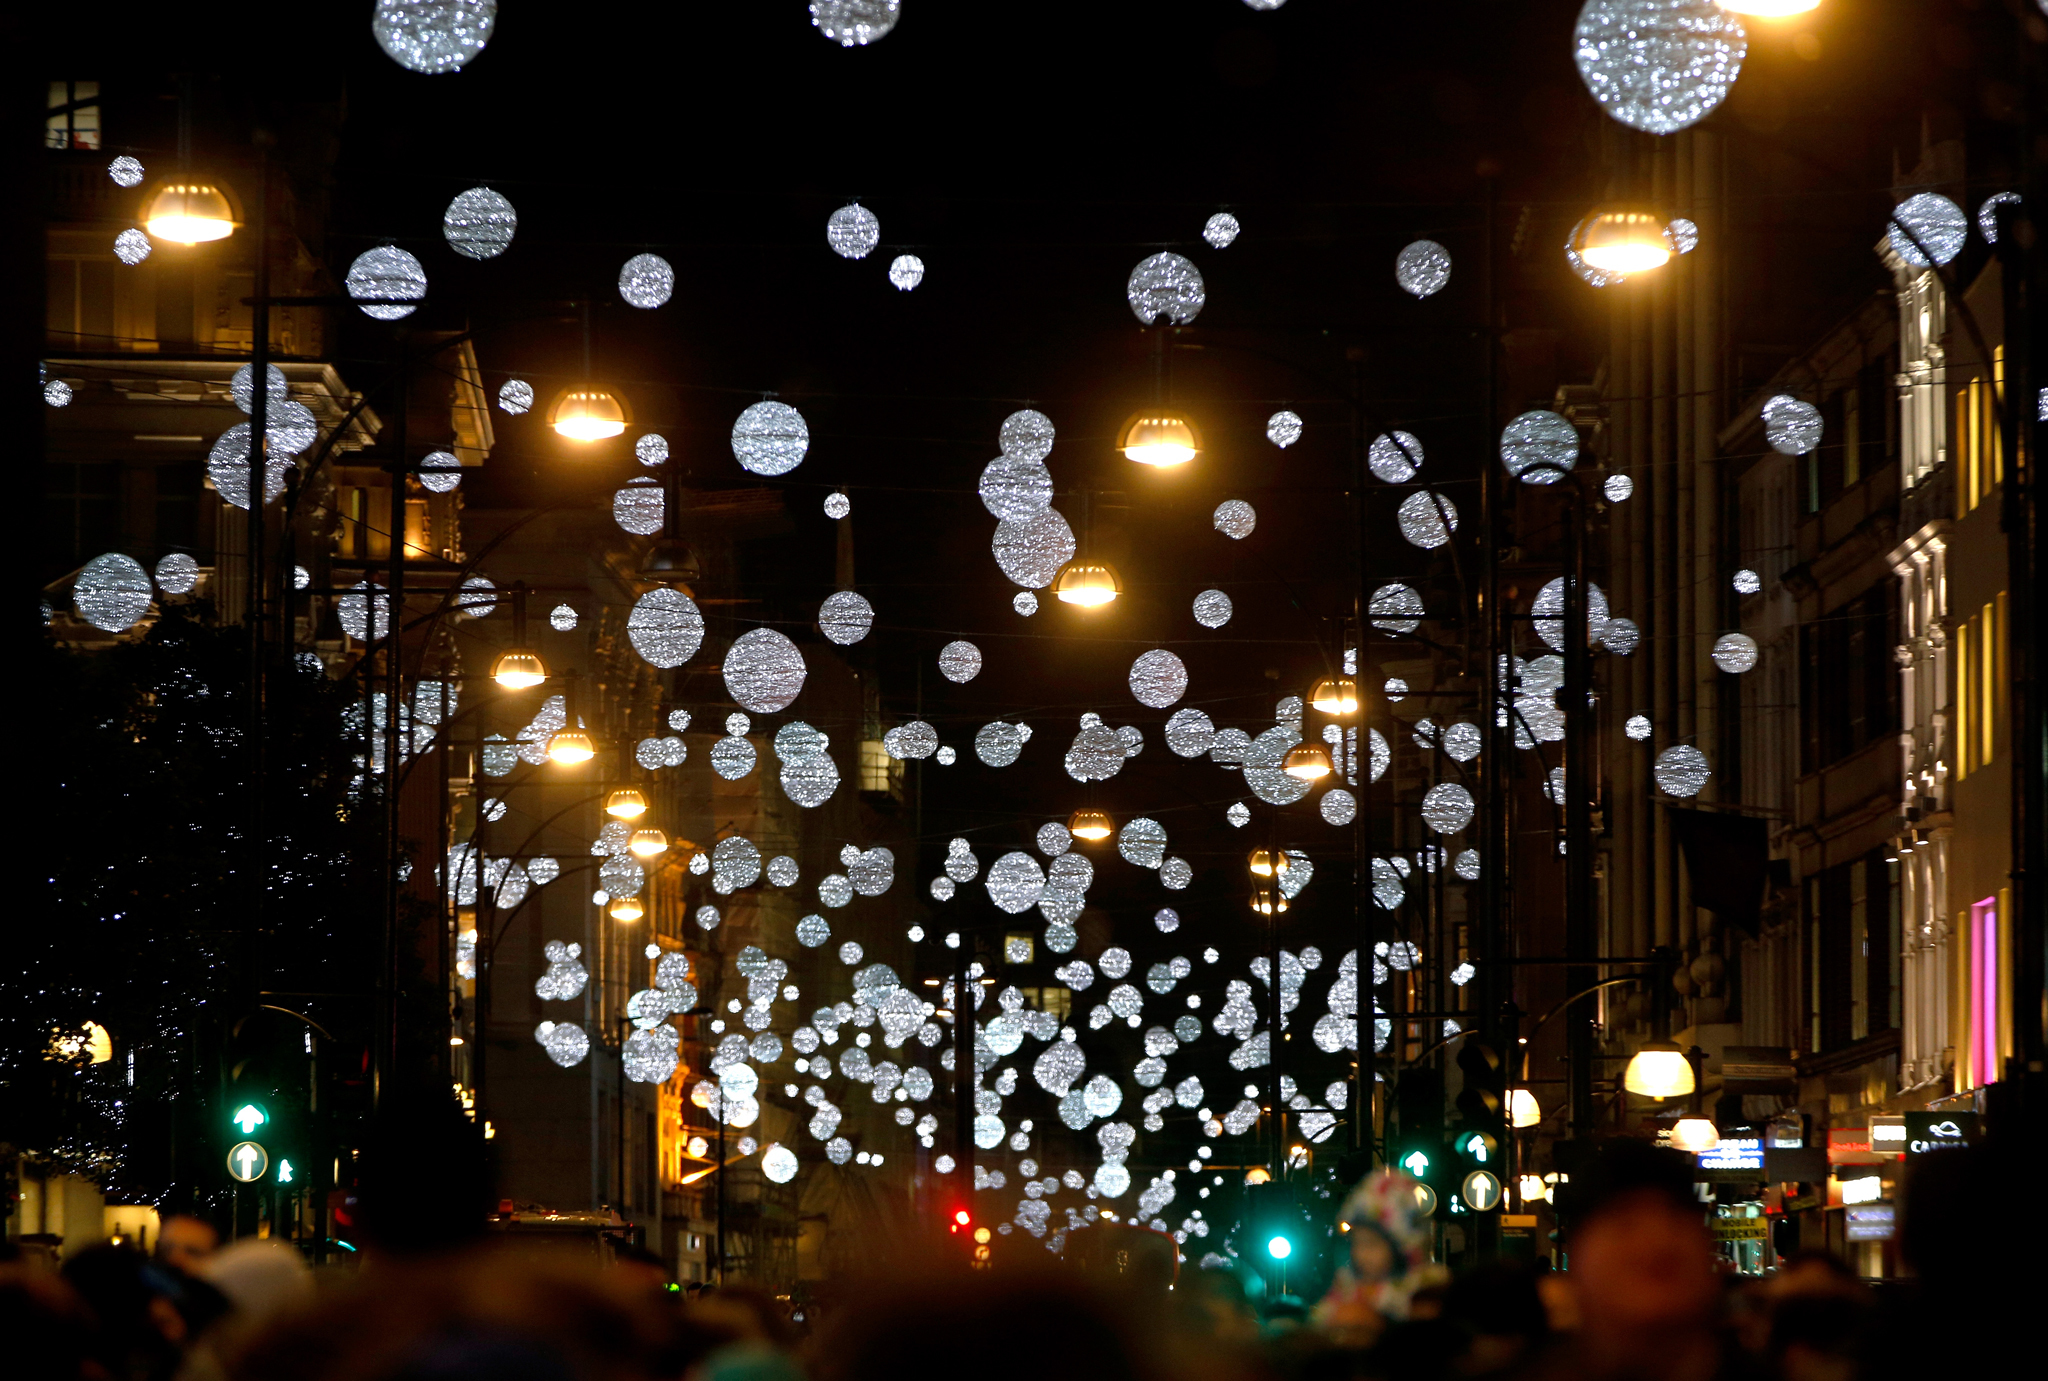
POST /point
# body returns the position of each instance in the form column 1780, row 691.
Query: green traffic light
column 1416, row 1163
column 1279, row 1248
column 249, row 1117
column 1475, row 1147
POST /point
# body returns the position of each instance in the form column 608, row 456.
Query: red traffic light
column 961, row 1219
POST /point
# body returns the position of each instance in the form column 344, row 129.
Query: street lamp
column 1307, row 762
column 1265, row 863
column 1090, row 824
column 648, row 843
column 1087, row 582
column 1268, row 901
column 588, row 413
column 1768, row 9
column 627, row 909
column 518, row 669
column 1336, row 696
column 1523, row 1109
column 627, row 803
column 1695, row 1133
column 1623, row 239
column 1658, row 1070
column 1160, row 436
column 189, row 211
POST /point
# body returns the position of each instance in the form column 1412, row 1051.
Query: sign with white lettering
column 1870, row 1223
column 1939, row 1131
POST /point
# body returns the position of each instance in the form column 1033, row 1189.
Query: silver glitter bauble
column 1621, row 636
column 126, row 171
column 1792, row 427
column 1235, row 518
column 1734, row 653
column 1538, row 446
column 999, row 744
column 1142, row 841
column 112, row 592
column 1264, row 771
column 1015, row 487
column 564, row 1041
column 1212, row 608
column 562, row 618
column 812, row 931
column 1617, row 488
column 1637, row 727
column 390, row 272
column 837, row 505
column 1681, row 770
column 177, row 574
column 227, row 465
column 57, row 393
column 1338, row 806
column 763, row 671
column 1025, row 603
column 1394, row 457
column 906, row 271
column 1927, row 224
column 131, row 246
column 1447, row 808
column 853, row 232
column 1015, row 882
column 1220, row 229
column 778, row 1163
column 1396, row 608
column 1054, row 840
column 1189, row 733
column 357, row 609
column 1166, row 285
column 441, row 473
column 960, row 662
column 1987, row 211
column 735, row 863
column 243, row 391
column 1462, row 740
column 1158, row 678
column 1658, row 65
column 1026, row 434
column 649, row 1057
column 433, row 36
column 651, row 449
column 1683, row 234
column 912, row 741
column 770, row 438
column 853, row 24
column 1423, row 268
column 665, row 627
column 479, row 224
column 1031, row 551
column 1427, row 519
column 646, row 280
column 1283, row 428
column 1747, row 582
column 1546, row 614
column 515, row 396
column 845, row 618
column 1096, row 754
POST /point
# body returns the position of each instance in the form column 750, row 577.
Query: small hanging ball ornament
column 651, row 450
column 906, row 271
column 1426, row 519
column 1166, row 285
column 1423, row 268
column 1283, row 429
column 770, row 438
column 1658, row 65
column 1683, row 234
column 1747, row 582
column 1617, row 488
column 113, row 592
column 1681, row 770
column 242, row 390
column 1394, row 457
column 1025, row 603
column 855, row 23
column 1792, row 427
column 131, row 247
column 1637, row 727
column 1235, row 518
column 1927, row 225
column 386, row 272
column 1539, row 446
column 57, row 393
column 515, row 396
column 837, row 505
column 1987, row 212
column 433, row 36
column 479, row 223
column 440, row 472
column 126, row 171
column 853, row 232
column 1734, row 653
column 1026, row 434
column 1221, row 229
column 177, row 574
column 646, row 281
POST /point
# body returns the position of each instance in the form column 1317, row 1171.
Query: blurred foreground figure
column 1644, row 1292
column 1015, row 1326
column 1388, row 1263
column 186, row 1242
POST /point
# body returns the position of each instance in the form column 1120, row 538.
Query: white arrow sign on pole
column 247, row 1160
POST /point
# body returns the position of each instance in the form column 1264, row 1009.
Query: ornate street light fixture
column 1307, row 762
column 1087, row 582
column 588, row 412
column 1658, row 1070
column 1089, row 824
column 627, row 803
column 648, row 843
column 189, row 211
column 1160, row 436
column 1335, row 695
column 627, row 909
column 1623, row 239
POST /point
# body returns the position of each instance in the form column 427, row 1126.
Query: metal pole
column 963, row 1068
column 1363, row 1025
column 719, row 1175
column 252, row 606
column 394, row 683
column 1578, row 921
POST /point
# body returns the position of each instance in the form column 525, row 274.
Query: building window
column 74, row 118
column 1848, row 682
column 878, row 771
column 82, row 512
column 1058, row 1002
column 1018, row 947
column 1852, row 922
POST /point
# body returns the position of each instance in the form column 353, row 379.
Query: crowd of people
column 1640, row 1299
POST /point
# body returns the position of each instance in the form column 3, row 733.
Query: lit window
column 74, row 118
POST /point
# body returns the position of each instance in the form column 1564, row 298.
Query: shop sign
column 1740, row 1229
column 1939, row 1131
column 1871, row 1223
column 1851, row 1146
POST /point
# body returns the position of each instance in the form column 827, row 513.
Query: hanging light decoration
column 1335, row 695
column 1087, row 582
column 588, row 412
column 1160, row 436
column 1090, row 824
column 1623, row 239
column 1695, row 1134
column 570, row 745
column 627, row 909
column 519, row 669
column 189, row 211
column 1658, row 1070
column 1265, row 864
column 1307, row 762
column 648, row 843
column 627, row 803
column 1269, row 901
column 1523, row 1109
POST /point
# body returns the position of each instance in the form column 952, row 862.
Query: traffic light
column 1275, row 1233
column 960, row 1222
column 1419, row 1139
column 1482, row 1103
